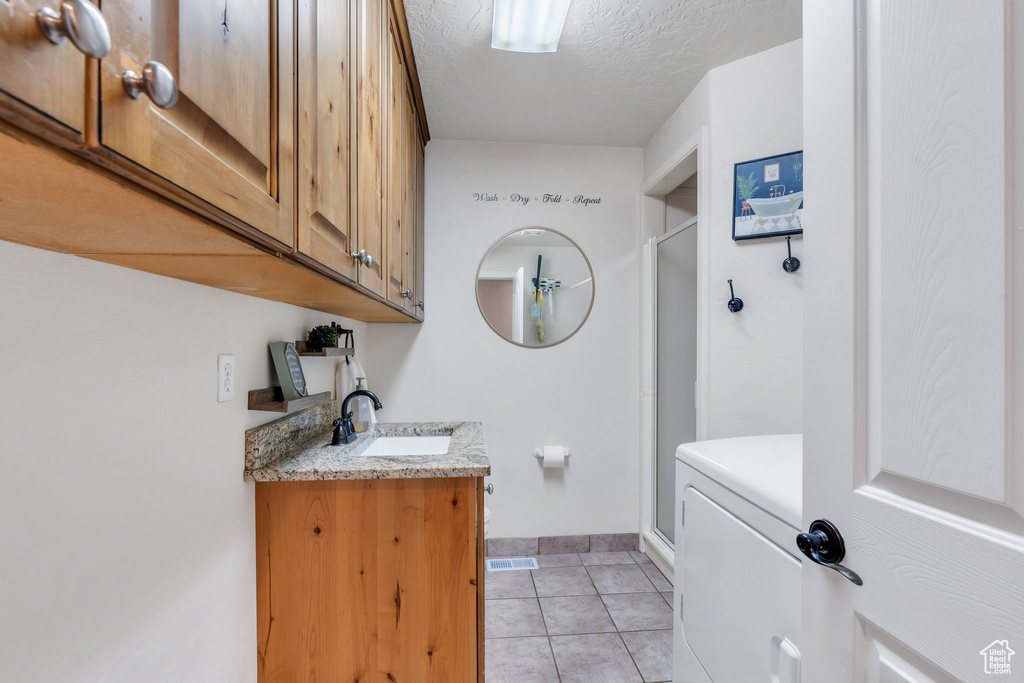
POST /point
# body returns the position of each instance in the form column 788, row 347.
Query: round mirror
column 535, row 287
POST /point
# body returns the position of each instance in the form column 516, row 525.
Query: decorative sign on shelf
column 289, row 370
column 545, row 198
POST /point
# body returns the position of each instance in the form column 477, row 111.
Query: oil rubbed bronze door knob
column 824, row 545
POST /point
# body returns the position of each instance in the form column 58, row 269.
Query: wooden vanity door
column 481, row 593
column 45, row 82
column 325, row 223
column 369, row 580
column 229, row 138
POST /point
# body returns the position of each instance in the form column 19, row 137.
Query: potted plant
column 321, row 337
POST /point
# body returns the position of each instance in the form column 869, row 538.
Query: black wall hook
column 791, row 264
column 735, row 305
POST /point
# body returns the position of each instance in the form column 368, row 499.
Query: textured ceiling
column 621, row 67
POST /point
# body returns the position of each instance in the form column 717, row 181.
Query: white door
column 914, row 286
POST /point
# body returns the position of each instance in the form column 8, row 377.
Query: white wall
column 582, row 393
column 680, row 207
column 752, row 108
column 127, row 531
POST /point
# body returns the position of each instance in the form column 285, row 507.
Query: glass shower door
column 676, row 365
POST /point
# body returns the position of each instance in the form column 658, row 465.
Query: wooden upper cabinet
column 397, row 176
column 420, row 247
column 228, row 140
column 410, row 139
column 38, row 76
column 297, row 125
column 326, row 229
column 371, row 26
column 402, row 189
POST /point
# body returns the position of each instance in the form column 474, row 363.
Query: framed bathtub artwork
column 768, row 197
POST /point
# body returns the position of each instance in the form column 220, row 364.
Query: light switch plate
column 225, row 377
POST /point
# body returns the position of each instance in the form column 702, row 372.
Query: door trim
column 692, row 156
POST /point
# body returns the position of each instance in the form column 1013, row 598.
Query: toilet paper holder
column 539, row 452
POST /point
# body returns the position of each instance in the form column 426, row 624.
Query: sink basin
column 408, row 445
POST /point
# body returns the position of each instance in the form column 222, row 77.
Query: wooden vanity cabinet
column 370, row 580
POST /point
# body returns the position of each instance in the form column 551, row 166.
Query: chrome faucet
column 344, row 430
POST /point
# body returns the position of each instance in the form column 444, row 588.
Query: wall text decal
column 546, row 198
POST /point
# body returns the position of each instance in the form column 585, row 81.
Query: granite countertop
column 297, row 448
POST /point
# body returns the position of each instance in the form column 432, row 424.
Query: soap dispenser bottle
column 362, row 409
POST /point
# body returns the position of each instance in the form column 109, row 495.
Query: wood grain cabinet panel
column 326, row 229
column 371, row 26
column 37, row 76
column 410, row 140
column 402, row 190
column 228, row 140
column 373, row 580
column 420, row 231
column 397, row 177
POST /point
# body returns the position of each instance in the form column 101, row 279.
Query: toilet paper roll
column 554, row 456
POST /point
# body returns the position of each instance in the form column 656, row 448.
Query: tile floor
column 599, row 617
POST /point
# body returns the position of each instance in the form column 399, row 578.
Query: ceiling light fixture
column 528, row 25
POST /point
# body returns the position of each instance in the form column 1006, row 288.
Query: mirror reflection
column 535, row 287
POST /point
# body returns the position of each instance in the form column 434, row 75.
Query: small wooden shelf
column 304, row 350
column 271, row 400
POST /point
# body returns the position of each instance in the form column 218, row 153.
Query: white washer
column 737, row 588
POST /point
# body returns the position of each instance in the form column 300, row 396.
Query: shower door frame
column 689, row 158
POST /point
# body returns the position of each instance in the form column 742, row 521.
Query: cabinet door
column 368, row 580
column 409, row 140
column 396, row 176
column 325, row 226
column 420, row 228
column 228, row 140
column 371, row 25
column 39, row 77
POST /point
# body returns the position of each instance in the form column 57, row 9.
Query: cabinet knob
column 490, row 489
column 156, row 81
column 363, row 258
column 419, row 304
column 406, row 294
column 79, row 20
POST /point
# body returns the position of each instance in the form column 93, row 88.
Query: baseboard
column 553, row 545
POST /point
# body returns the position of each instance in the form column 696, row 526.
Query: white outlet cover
column 225, row 377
